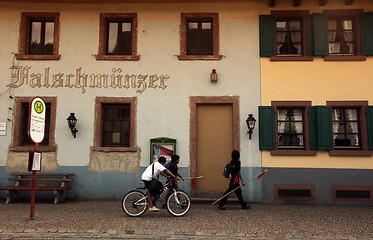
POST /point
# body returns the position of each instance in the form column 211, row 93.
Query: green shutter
column 367, row 33
column 267, row 35
column 309, row 36
column 312, row 127
column 324, row 130
column 319, row 34
column 267, row 128
column 369, row 111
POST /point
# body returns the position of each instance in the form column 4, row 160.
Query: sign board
column 37, row 120
column 2, row 128
column 34, row 161
column 162, row 147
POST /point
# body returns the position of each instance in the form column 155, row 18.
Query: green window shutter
column 367, row 33
column 309, row 36
column 319, row 34
column 267, row 128
column 369, row 111
column 267, row 35
column 312, row 127
column 324, row 132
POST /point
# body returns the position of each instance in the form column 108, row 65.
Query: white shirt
column 147, row 174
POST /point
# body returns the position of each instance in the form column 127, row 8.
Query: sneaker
column 247, row 206
column 222, row 208
column 153, row 209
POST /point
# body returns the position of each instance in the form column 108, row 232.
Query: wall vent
column 352, row 193
column 295, row 193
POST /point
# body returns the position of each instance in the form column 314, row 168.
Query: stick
column 239, row 186
column 190, row 178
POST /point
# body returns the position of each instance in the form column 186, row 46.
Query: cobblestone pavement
column 106, row 220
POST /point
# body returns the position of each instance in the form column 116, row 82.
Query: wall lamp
column 250, row 121
column 71, row 122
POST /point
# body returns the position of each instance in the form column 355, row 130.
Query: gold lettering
column 152, row 80
column 57, row 80
column 68, row 77
column 141, row 81
column 80, row 76
column 163, row 79
column 119, row 79
column 38, row 80
column 101, row 78
column 15, row 77
column 46, row 78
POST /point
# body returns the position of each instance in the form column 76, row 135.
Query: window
column 199, row 36
column 118, row 37
column 343, row 33
column 284, row 128
column 39, row 36
column 283, row 35
column 115, row 124
column 349, row 128
column 21, row 141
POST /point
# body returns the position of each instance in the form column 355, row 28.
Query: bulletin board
column 162, row 146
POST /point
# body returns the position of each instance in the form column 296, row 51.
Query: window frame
column 18, row 121
column 292, row 14
column 355, row 14
column 25, row 31
column 98, row 125
column 183, row 36
column 361, row 106
column 306, row 128
column 103, row 36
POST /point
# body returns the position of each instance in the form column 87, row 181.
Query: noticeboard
column 162, row 146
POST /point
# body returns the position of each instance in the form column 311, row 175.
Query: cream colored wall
column 317, row 81
column 160, row 112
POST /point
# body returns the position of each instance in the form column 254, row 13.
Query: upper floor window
column 343, row 32
column 283, row 35
column 21, row 140
column 346, row 128
column 115, row 124
column 290, row 131
column 118, row 37
column 199, row 36
column 39, row 36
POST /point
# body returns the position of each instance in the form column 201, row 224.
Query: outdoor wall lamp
column 214, row 76
column 250, row 121
column 71, row 122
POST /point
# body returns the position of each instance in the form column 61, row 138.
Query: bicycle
column 135, row 202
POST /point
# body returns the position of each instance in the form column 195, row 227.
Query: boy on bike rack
column 147, row 177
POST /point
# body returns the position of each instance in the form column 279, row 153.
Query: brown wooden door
column 213, row 145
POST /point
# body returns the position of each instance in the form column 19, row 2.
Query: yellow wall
column 317, row 81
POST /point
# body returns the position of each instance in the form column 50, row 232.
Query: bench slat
column 38, row 188
column 41, row 174
column 43, row 179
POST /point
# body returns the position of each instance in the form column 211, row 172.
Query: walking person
column 152, row 171
column 234, row 182
column 173, row 168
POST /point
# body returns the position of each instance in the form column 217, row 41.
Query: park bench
column 56, row 182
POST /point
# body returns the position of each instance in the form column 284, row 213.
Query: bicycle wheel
column 134, row 203
column 178, row 203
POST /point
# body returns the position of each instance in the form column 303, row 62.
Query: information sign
column 37, row 120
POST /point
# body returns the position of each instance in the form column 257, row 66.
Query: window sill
column 32, row 148
column 37, row 57
column 345, row 58
column 291, row 58
column 357, row 153
column 115, row 149
column 287, row 152
column 118, row 57
column 200, row 57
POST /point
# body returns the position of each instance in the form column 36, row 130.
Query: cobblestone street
column 106, row 220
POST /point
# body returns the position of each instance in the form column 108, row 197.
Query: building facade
column 131, row 73
column 164, row 77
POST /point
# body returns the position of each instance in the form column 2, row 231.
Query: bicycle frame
column 165, row 187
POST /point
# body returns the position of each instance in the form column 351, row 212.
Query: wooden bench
column 23, row 182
